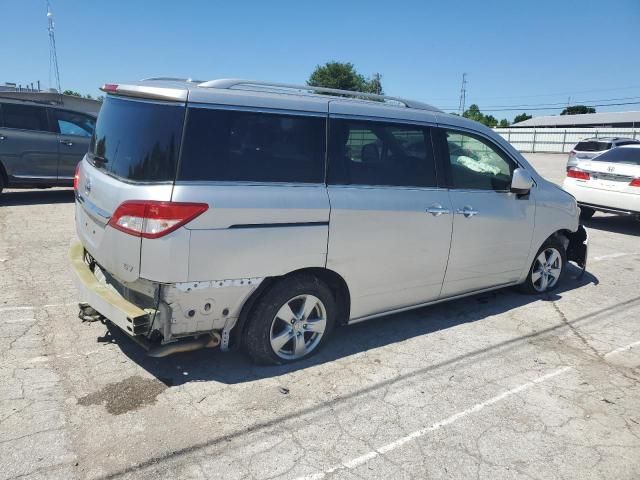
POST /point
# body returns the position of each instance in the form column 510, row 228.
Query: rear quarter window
column 137, row 140
column 243, row 146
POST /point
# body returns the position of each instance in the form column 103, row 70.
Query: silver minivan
column 262, row 216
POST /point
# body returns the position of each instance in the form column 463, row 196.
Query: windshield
column 620, row 155
column 137, row 140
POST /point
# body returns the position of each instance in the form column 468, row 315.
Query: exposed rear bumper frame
column 107, row 302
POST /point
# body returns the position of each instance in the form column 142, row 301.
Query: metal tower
column 463, row 94
column 54, row 71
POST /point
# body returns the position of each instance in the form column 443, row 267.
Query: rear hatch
column 590, row 149
column 133, row 155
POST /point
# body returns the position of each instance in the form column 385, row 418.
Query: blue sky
column 515, row 52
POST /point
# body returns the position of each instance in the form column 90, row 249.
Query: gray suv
column 43, row 136
column 240, row 213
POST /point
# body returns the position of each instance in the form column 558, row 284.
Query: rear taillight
column 153, row 219
column 577, row 173
column 76, row 177
column 572, row 153
column 635, row 182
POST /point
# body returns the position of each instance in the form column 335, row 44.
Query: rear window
column 592, row 146
column 620, row 155
column 227, row 145
column 137, row 140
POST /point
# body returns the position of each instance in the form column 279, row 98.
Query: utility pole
column 53, row 56
column 463, row 94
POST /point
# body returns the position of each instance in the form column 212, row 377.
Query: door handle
column 2, row 137
column 436, row 210
column 68, row 143
column 467, row 211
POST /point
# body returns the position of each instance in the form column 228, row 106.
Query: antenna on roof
column 53, row 56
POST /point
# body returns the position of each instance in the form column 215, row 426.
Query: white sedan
column 609, row 182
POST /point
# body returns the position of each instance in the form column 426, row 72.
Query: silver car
column 255, row 215
column 592, row 147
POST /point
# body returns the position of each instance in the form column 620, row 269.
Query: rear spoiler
column 145, row 91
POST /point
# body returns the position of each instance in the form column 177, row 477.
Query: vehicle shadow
column 235, row 367
column 33, row 197
column 623, row 224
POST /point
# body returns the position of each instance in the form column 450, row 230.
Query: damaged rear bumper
column 106, row 301
column 164, row 318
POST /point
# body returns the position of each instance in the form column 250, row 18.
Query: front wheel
column 547, row 268
column 291, row 321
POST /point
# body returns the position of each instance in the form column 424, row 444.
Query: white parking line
column 23, row 308
column 611, row 255
column 622, row 349
column 14, row 309
column 356, row 462
column 362, row 459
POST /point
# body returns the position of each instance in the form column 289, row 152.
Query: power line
column 557, row 94
column 552, row 105
column 556, row 108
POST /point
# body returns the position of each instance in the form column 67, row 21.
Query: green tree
column 577, row 110
column 73, row 93
column 504, row 123
column 490, row 121
column 473, row 113
column 344, row 76
column 521, row 118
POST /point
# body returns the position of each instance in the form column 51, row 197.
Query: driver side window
column 476, row 164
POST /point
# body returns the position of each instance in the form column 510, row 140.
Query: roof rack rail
column 229, row 83
column 171, row 79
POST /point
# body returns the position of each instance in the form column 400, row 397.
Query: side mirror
column 521, row 182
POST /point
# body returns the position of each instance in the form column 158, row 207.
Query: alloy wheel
column 298, row 327
column 546, row 269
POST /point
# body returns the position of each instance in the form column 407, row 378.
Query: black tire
column 2, row 184
column 262, row 319
column 586, row 213
column 532, row 285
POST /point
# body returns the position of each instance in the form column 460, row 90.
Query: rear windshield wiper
column 98, row 158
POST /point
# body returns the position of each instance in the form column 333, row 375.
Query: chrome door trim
column 36, row 177
column 420, row 305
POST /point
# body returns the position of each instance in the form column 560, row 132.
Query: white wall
column 559, row 140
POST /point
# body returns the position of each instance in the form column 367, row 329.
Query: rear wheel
column 547, row 268
column 586, row 213
column 291, row 321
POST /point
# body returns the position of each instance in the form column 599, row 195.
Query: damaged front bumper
column 163, row 318
column 578, row 248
